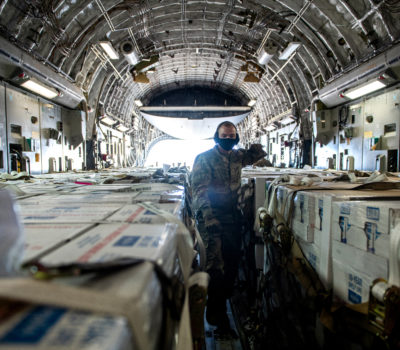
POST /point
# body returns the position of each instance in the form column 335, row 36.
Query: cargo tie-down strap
column 45, row 293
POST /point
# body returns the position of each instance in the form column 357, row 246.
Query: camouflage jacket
column 216, row 179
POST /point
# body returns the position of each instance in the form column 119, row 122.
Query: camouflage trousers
column 223, row 251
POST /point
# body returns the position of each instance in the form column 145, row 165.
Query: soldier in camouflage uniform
column 215, row 181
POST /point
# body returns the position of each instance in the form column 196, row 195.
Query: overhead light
column 286, row 121
column 107, row 120
column 122, row 128
column 270, row 127
column 40, row 89
column 109, row 50
column 138, row 103
column 292, row 47
column 365, row 89
column 251, row 103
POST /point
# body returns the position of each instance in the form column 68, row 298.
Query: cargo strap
column 299, row 264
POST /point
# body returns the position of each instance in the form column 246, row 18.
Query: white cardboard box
column 303, row 215
column 107, row 242
column 66, row 213
column 147, row 196
column 283, row 199
column 354, row 270
column 89, row 198
column 365, row 224
column 315, row 237
column 261, row 185
column 134, row 292
column 313, row 255
column 54, row 328
column 104, row 188
column 41, row 238
column 321, row 229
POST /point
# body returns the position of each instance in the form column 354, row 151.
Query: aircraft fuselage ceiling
column 272, row 59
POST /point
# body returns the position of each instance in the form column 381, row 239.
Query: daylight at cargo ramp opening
column 189, row 118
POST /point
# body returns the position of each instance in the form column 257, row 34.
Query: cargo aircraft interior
column 104, row 107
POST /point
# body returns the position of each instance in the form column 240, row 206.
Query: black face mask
column 226, row 144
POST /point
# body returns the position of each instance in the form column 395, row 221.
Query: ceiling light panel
column 270, row 127
column 109, row 50
column 364, row 90
column 40, row 89
column 286, row 121
column 122, row 128
column 292, row 47
column 107, row 120
column 138, row 103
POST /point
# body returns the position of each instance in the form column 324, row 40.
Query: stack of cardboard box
column 111, row 260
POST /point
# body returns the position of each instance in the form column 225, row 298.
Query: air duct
column 128, row 51
column 13, row 59
column 333, row 94
column 266, row 53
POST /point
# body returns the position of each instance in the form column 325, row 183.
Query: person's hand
column 256, row 147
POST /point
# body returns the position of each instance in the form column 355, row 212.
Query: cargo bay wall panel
column 3, row 133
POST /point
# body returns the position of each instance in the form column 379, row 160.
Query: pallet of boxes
column 95, row 266
column 341, row 241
